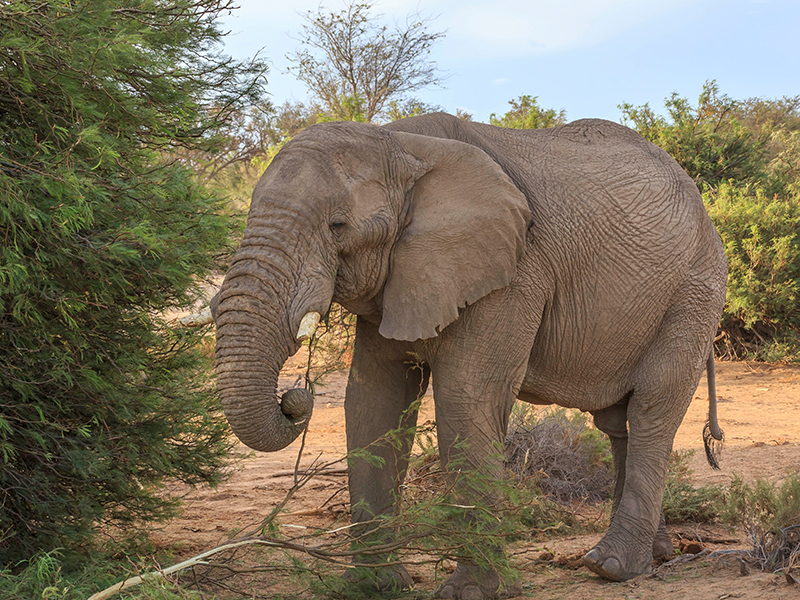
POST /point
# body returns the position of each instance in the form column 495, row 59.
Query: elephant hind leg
column 613, row 421
column 662, row 542
column 663, row 384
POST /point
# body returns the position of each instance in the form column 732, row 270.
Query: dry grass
column 558, row 451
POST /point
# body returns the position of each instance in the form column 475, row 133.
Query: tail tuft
column 713, row 446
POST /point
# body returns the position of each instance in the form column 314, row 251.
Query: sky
column 583, row 56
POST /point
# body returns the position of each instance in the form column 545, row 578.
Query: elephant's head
column 400, row 228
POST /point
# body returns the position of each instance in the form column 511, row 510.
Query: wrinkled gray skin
column 574, row 266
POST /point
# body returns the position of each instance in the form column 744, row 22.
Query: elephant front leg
column 379, row 405
column 471, row 421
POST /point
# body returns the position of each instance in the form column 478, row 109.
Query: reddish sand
column 759, row 409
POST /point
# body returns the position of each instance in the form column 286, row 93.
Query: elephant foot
column 372, row 580
column 468, row 582
column 662, row 546
column 662, row 543
column 612, row 566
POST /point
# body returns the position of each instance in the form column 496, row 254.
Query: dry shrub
column 770, row 513
column 560, row 452
column 778, row 549
column 555, row 451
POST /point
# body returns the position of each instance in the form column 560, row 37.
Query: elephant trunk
column 254, row 340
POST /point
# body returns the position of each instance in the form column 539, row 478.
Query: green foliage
column 762, row 244
column 762, row 506
column 787, row 511
column 410, row 108
column 745, row 157
column 783, row 170
column 708, row 140
column 102, row 230
column 40, row 578
column 44, row 576
column 350, row 107
column 525, row 113
column 682, row 501
column 770, row 514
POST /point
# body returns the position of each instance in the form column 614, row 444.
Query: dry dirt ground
column 759, row 407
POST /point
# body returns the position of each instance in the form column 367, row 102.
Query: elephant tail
column 713, row 437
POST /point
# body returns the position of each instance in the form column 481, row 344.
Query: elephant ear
column 465, row 235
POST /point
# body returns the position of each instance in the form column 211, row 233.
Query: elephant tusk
column 197, row 319
column 307, row 326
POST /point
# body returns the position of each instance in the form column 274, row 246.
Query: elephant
column 574, row 265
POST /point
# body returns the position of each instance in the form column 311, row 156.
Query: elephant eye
column 338, row 224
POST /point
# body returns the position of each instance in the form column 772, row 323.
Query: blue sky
column 583, row 56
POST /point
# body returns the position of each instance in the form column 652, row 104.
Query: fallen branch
column 339, row 471
column 696, row 537
column 685, row 558
column 162, row 573
column 316, row 512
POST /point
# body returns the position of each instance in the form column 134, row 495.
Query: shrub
column 684, row 502
column 526, row 113
column 761, row 240
column 745, row 158
column 762, row 505
column 770, row 513
column 560, row 452
column 44, row 576
column 102, row 230
column 710, row 140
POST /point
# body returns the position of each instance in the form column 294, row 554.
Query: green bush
column 44, row 577
column 709, row 140
column 762, row 244
column 526, row 113
column 762, row 505
column 745, row 157
column 682, row 501
column 103, row 230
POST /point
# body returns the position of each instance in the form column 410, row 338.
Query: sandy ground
column 759, row 408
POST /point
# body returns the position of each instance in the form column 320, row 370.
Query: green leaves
column 710, row 141
column 526, row 113
column 763, row 249
column 745, row 157
column 102, row 231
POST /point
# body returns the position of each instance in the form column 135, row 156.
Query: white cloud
column 478, row 31
column 514, row 28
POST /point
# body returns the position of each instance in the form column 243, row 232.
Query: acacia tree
column 356, row 68
column 103, row 230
